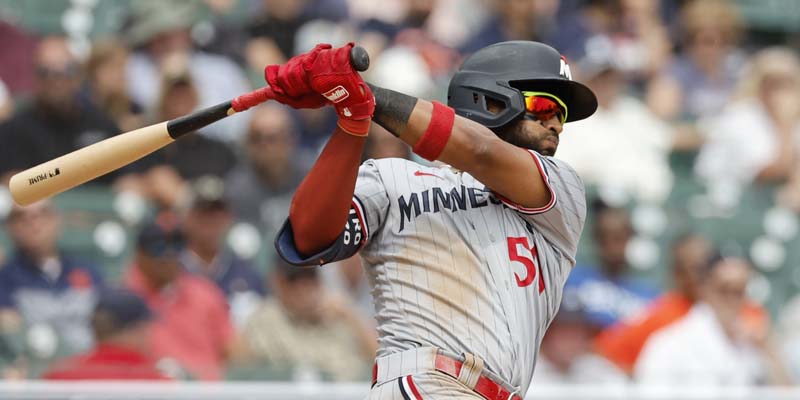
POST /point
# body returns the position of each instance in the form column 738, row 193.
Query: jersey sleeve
column 561, row 220
column 367, row 214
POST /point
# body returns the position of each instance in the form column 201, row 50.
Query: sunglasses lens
column 544, row 108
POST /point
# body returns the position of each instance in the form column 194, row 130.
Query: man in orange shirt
column 191, row 325
column 622, row 342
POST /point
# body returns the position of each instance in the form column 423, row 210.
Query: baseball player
column 467, row 260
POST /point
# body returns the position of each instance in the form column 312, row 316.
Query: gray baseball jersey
column 456, row 266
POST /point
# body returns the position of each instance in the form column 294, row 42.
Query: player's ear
column 494, row 106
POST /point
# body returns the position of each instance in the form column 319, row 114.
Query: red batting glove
column 332, row 76
column 310, row 100
column 291, row 79
column 289, row 82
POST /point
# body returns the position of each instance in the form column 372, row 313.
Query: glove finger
column 293, row 78
column 271, row 76
column 308, row 59
column 342, row 58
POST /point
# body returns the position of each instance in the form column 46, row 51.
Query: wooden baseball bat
column 82, row 165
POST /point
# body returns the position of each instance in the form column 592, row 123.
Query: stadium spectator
column 347, row 279
column 162, row 175
column 122, row 350
column 160, row 30
column 277, row 26
column 622, row 126
column 606, row 290
column 274, row 33
column 508, row 20
column 191, row 323
column 105, row 81
column 260, row 188
column 701, row 77
column 755, row 137
column 304, row 327
column 426, row 28
column 43, row 287
column 622, row 342
column 205, row 224
column 566, row 355
column 56, row 121
column 712, row 345
column 633, row 31
column 194, row 155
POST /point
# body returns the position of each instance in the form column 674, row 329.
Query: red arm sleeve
column 320, row 205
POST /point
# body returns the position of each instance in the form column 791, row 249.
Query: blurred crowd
column 685, row 87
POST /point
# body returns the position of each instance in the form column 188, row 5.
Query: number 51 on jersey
column 526, row 257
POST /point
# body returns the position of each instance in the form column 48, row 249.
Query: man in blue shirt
column 42, row 287
column 608, row 291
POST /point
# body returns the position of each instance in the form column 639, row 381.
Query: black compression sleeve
column 392, row 109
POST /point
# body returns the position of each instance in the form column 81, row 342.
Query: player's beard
column 529, row 135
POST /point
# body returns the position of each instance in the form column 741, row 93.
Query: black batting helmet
column 502, row 70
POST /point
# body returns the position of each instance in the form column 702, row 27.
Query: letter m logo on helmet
column 564, row 70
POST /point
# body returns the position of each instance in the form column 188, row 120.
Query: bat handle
column 251, row 99
column 359, row 59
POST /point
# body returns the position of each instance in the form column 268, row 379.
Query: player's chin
column 547, row 148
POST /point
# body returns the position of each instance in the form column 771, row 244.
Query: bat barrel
column 85, row 164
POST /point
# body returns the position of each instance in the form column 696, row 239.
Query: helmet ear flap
column 473, row 100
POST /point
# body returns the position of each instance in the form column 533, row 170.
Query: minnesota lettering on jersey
column 437, row 199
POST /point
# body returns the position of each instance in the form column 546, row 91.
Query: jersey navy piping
column 534, row 210
column 362, row 216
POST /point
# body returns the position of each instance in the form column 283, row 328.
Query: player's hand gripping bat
column 82, row 165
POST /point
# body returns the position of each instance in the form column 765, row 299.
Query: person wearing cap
column 205, row 224
column 56, row 121
column 713, row 345
column 120, row 321
column 44, row 287
column 467, row 259
column 305, row 328
column 192, row 325
column 159, row 30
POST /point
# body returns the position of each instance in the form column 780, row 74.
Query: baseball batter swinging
column 467, row 261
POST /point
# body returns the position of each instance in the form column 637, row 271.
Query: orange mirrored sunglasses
column 543, row 106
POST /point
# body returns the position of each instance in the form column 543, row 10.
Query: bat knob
column 359, row 58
